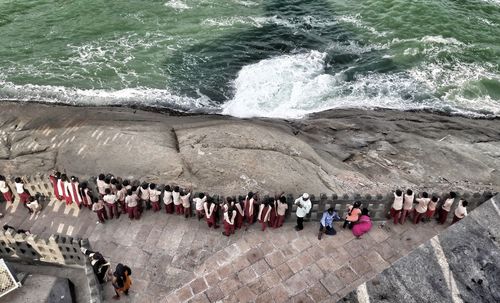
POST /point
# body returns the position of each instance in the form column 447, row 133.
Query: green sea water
column 254, row 58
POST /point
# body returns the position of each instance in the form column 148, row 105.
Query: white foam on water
column 246, row 3
column 177, row 5
column 292, row 86
column 356, row 21
column 162, row 98
column 258, row 21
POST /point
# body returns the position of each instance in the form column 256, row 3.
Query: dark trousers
column 300, row 223
column 328, row 230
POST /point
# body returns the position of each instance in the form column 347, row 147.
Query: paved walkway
column 177, row 260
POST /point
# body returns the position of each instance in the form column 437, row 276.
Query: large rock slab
column 341, row 151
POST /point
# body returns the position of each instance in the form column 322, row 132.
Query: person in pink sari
column 363, row 225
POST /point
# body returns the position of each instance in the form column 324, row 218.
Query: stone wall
column 378, row 204
column 56, row 250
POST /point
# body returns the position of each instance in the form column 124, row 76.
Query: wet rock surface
column 337, row 151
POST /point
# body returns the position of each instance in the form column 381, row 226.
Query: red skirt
column 8, row 196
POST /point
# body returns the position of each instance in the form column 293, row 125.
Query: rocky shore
column 341, row 151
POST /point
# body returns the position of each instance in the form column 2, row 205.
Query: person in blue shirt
column 326, row 223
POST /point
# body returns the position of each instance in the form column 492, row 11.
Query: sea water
column 251, row 58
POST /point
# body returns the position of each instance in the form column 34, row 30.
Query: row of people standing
column 424, row 207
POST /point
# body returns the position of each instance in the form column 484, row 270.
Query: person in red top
column 240, row 213
column 229, row 216
column 54, row 178
column 75, row 192
column 5, row 190
column 264, row 214
column 249, row 205
column 66, row 189
column 210, row 212
column 86, row 195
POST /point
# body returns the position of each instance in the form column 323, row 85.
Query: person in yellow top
column 121, row 280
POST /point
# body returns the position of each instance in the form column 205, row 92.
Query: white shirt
column 408, row 201
column 177, row 197
column 199, row 202
column 121, row 194
column 448, row 203
column 432, row 205
column 167, row 197
column 33, row 205
column 185, row 200
column 111, row 199
column 101, row 186
column 19, row 188
column 154, row 195
column 306, row 206
column 422, row 205
column 131, row 200
column 144, row 193
column 460, row 211
column 398, row 202
column 281, row 209
column 3, row 187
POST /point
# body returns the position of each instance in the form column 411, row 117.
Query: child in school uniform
column 249, row 206
column 101, row 185
column 126, row 184
column 280, row 211
column 176, row 196
column 98, row 208
column 229, row 217
column 121, row 194
column 210, row 209
column 144, row 196
column 264, row 214
column 110, row 200
column 186, row 203
column 407, row 205
column 86, row 195
column 22, row 192
column 274, row 208
column 240, row 213
column 66, row 189
column 112, row 185
column 5, row 190
column 431, row 207
column 54, row 179
column 200, row 212
column 75, row 192
column 132, row 201
column 168, row 200
column 34, row 205
column 446, row 207
column 460, row 211
column 421, row 208
column 397, row 205
column 154, row 196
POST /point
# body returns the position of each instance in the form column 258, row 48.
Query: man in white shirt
column 303, row 207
